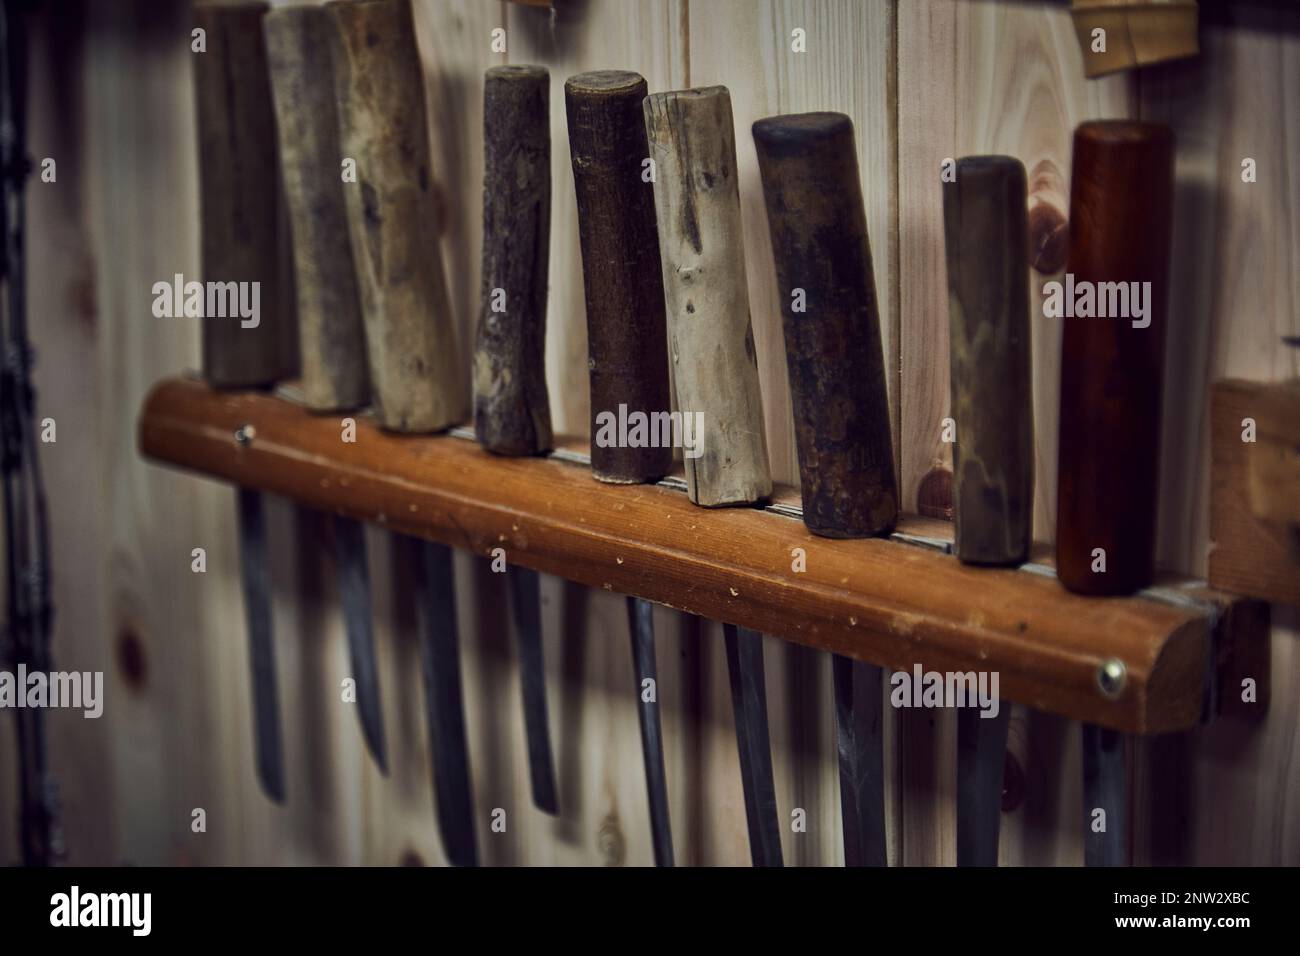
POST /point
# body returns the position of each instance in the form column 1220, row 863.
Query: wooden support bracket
column 1137, row 664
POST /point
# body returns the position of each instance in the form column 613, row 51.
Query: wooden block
column 1254, row 541
column 809, row 168
column 626, row 338
column 1136, row 33
column 239, row 200
column 512, row 413
column 1121, row 214
column 711, row 342
column 415, row 370
column 331, row 335
column 986, row 238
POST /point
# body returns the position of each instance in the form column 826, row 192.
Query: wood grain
column 692, row 141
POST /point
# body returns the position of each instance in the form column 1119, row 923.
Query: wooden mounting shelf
column 890, row 602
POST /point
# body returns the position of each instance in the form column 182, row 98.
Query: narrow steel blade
column 1105, row 787
column 749, row 705
column 354, row 592
column 435, row 603
column 255, row 577
column 981, row 757
column 859, row 728
column 525, row 592
column 641, row 626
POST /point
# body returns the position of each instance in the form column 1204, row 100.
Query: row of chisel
column 287, row 99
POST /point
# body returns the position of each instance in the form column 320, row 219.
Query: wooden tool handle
column 809, row 168
column 239, row 201
column 416, row 377
column 692, row 141
column 512, row 414
column 331, row 335
column 986, row 236
column 1121, row 206
column 627, row 350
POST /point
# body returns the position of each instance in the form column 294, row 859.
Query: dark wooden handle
column 693, row 144
column 986, row 236
column 512, row 414
column 627, row 347
column 331, row 336
column 239, row 197
column 416, row 375
column 809, row 168
column 1121, row 205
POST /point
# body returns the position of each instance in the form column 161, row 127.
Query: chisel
column 986, row 244
column 691, row 134
column 240, row 240
column 1121, row 220
column 413, row 356
column 512, row 413
column 626, row 345
column 809, row 167
column 331, row 336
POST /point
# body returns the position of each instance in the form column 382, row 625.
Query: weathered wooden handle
column 809, row 166
column 331, row 335
column 711, row 343
column 627, row 351
column 986, row 237
column 239, row 207
column 416, row 377
column 1121, row 206
column 512, row 414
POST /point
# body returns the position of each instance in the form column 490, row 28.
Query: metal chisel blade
column 435, row 603
column 859, row 729
column 749, row 705
column 1105, row 787
column 981, row 758
column 525, row 593
column 641, row 625
column 255, row 578
column 354, row 593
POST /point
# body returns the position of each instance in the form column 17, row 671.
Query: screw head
column 1111, row 677
column 245, row 434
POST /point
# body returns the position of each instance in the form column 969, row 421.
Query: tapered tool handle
column 627, row 350
column 711, row 343
column 809, row 168
column 1121, row 206
column 239, row 204
column 415, row 369
column 331, row 336
column 512, row 414
column 986, row 237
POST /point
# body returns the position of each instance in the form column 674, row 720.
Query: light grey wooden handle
column 711, row 342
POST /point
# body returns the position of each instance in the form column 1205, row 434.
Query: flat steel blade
column 255, row 577
column 981, row 758
column 641, row 626
column 354, row 593
column 435, row 603
column 1105, row 787
column 749, row 705
column 525, row 593
column 859, row 729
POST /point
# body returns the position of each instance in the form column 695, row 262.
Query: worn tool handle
column 416, row 379
column 809, row 166
column 986, row 238
column 239, row 202
column 331, row 335
column 627, row 350
column 1121, row 207
column 711, row 342
column 512, row 414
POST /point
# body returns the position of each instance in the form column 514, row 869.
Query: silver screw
column 1111, row 677
column 245, row 434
